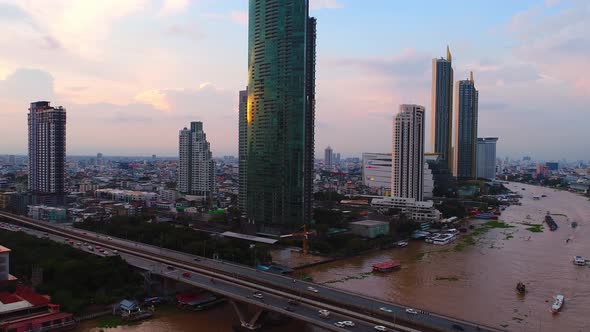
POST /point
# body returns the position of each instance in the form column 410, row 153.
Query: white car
column 380, row 328
column 258, row 295
column 385, row 309
column 324, row 313
column 312, row 289
column 339, row 324
column 412, row 311
column 348, row 323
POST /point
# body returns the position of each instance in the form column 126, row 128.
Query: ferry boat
column 580, row 261
column 445, row 238
column 557, row 303
column 486, row 215
column 387, row 266
column 402, row 244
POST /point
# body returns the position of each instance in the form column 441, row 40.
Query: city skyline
column 105, row 86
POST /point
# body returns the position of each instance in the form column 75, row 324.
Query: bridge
column 297, row 299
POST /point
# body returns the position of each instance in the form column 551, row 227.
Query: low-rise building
column 420, row 211
column 370, row 228
column 47, row 213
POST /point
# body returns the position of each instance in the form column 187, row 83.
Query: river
column 476, row 284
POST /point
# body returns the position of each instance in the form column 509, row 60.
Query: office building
column 486, row 158
column 242, row 148
column 377, row 172
column 337, row 158
column 442, row 107
column 196, row 168
column 466, row 112
column 328, row 157
column 47, row 152
column 280, row 114
column 552, row 166
column 407, row 172
column 418, row 211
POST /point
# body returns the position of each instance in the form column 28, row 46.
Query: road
column 348, row 304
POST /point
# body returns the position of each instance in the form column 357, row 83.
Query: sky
column 132, row 73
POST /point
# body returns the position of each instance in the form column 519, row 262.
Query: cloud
column 190, row 31
column 26, row 85
column 170, row 7
column 235, row 16
column 325, row 4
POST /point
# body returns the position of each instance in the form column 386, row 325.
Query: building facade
column 466, row 113
column 486, row 157
column 377, row 172
column 328, row 156
column 442, row 107
column 47, row 149
column 280, row 114
column 242, row 148
column 407, row 172
column 196, row 168
column 418, row 211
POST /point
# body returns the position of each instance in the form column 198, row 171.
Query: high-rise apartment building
column 442, row 108
column 407, row 172
column 486, row 157
column 47, row 149
column 328, row 157
column 280, row 114
column 466, row 112
column 242, row 147
column 196, row 168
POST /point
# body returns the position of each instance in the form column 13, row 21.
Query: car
column 380, row 328
column 186, row 274
column 457, row 327
column 324, row 313
column 109, row 238
column 385, row 309
column 348, row 323
column 196, row 259
column 339, row 324
column 115, row 252
column 170, row 268
column 412, row 311
column 288, row 308
column 311, row 289
column 79, row 244
column 258, row 295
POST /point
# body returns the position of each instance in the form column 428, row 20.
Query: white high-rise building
column 486, row 157
column 407, row 175
column 196, row 168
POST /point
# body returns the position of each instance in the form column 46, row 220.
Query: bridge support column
column 242, row 311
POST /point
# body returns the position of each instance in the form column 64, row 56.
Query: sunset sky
column 131, row 73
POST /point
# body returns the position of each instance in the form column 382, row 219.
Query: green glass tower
column 280, row 115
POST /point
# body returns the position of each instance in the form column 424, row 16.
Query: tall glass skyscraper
column 47, row 150
column 442, row 108
column 466, row 112
column 280, row 114
column 242, row 147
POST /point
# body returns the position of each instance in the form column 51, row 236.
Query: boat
column 486, row 215
column 574, row 224
column 444, row 238
column 580, row 261
column 543, row 195
column 536, row 198
column 551, row 223
column 520, row 287
column 557, row 303
column 402, row 244
column 387, row 266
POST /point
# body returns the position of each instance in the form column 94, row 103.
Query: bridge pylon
column 250, row 322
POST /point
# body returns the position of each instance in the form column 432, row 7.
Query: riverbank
column 477, row 282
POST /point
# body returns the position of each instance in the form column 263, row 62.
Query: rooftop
column 370, row 223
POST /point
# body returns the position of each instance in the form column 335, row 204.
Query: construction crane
column 302, row 234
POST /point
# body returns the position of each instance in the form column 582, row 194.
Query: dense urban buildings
column 242, row 147
column 466, row 113
column 328, row 156
column 407, row 172
column 47, row 151
column 442, row 107
column 196, row 168
column 486, row 157
column 280, row 114
column 377, row 172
